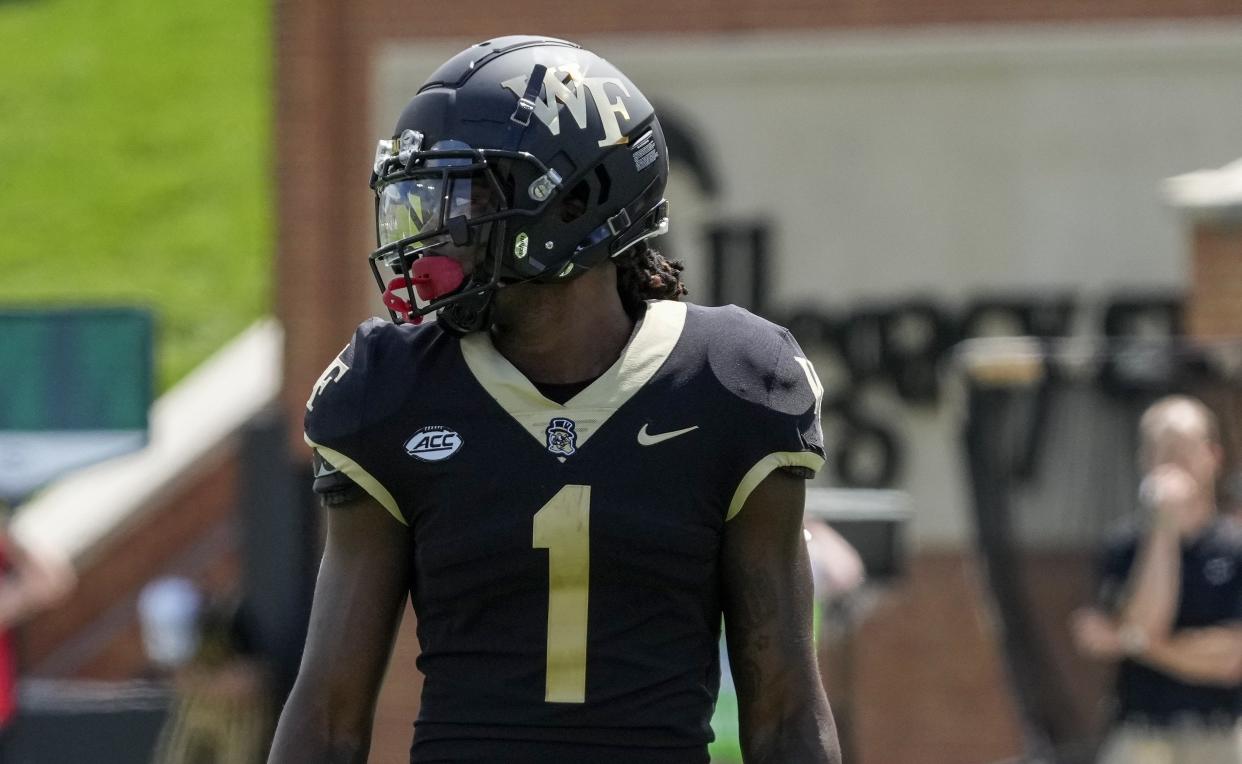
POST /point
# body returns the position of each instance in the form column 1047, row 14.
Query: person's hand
column 1175, row 497
column 836, row 568
column 1095, row 636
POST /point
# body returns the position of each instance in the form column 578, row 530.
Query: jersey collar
column 649, row 347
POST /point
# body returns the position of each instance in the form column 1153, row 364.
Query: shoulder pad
column 761, row 362
column 342, row 400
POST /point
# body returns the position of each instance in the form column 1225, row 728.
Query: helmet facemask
column 440, row 219
column 435, row 212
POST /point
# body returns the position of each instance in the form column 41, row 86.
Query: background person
column 222, row 707
column 31, row 581
column 1170, row 602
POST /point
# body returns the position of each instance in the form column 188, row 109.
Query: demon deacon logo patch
column 562, row 439
column 433, row 444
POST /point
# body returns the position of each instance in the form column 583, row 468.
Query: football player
column 571, row 474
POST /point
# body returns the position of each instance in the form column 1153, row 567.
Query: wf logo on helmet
column 565, row 83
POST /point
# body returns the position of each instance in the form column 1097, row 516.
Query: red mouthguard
column 436, row 276
column 433, row 276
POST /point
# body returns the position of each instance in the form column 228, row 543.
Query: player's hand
column 1174, row 495
column 1095, row 636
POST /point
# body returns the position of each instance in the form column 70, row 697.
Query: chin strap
column 519, row 120
column 471, row 314
column 472, row 311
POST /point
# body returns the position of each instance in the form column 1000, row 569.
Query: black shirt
column 1211, row 595
column 565, row 556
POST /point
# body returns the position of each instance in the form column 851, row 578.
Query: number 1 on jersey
column 563, row 527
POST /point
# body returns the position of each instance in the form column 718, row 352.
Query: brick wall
column 1215, row 304
column 191, row 532
column 929, row 684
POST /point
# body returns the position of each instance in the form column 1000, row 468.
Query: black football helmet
column 520, row 159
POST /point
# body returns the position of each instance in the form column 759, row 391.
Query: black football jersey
column 565, row 556
column 1210, row 594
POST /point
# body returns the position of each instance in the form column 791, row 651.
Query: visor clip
column 385, row 152
column 410, row 142
column 526, row 104
column 543, row 186
column 619, row 222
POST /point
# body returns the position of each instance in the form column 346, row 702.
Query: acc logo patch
column 433, row 444
column 520, row 245
column 562, row 439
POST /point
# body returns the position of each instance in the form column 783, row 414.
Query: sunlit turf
column 726, row 749
column 134, row 162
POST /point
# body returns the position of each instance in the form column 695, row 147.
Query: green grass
column 134, row 162
column 727, row 748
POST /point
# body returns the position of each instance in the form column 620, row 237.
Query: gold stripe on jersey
column 764, row 467
column 653, row 340
column 360, row 476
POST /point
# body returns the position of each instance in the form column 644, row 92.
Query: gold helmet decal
column 565, row 85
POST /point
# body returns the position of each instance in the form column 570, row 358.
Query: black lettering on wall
column 904, row 346
column 917, row 335
column 740, row 268
column 1019, row 315
column 867, row 453
column 1142, row 325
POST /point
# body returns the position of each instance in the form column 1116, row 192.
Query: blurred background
column 184, row 221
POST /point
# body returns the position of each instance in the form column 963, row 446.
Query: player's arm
column 359, row 599
column 783, row 712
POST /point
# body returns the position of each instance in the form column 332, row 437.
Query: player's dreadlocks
column 645, row 274
column 642, row 272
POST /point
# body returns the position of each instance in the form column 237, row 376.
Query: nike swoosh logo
column 650, row 440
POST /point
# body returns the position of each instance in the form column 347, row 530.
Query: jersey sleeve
column 337, row 420
column 332, row 485
column 772, row 373
column 798, row 395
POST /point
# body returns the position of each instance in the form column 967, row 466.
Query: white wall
column 941, row 163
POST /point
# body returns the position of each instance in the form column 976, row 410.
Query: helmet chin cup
column 436, row 276
column 465, row 315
